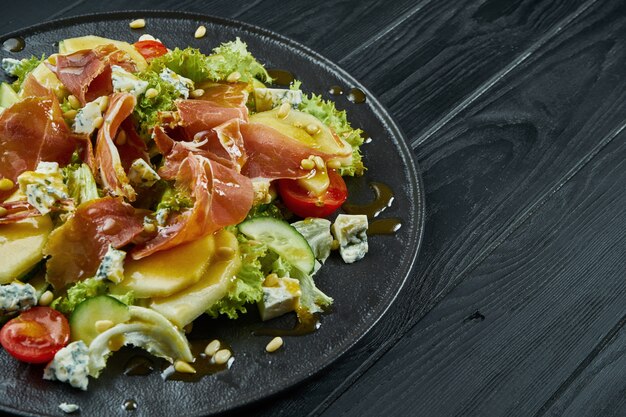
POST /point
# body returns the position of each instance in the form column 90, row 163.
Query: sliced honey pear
column 21, row 246
column 307, row 129
column 70, row 45
column 184, row 307
column 167, row 272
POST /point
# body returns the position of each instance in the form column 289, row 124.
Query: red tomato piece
column 302, row 203
column 36, row 335
column 150, row 49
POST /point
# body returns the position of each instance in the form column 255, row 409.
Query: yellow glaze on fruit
column 184, row 307
column 167, row 272
column 21, row 246
column 90, row 42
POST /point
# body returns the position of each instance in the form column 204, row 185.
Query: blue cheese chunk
column 16, row 297
column 350, row 230
column 316, row 231
column 69, row 408
column 43, row 187
column 9, row 65
column 280, row 298
column 127, row 82
column 71, row 365
column 85, row 121
column 181, row 84
column 268, row 98
column 142, row 174
column 112, row 265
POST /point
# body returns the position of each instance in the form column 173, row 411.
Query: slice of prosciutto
column 77, row 248
column 273, row 155
column 221, row 195
column 203, row 115
column 226, row 94
column 33, row 130
column 108, row 160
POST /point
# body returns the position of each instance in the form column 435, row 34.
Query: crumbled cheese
column 16, row 297
column 316, row 231
column 127, row 82
column 261, row 189
column 43, row 187
column 112, row 265
column 10, row 64
column 161, row 216
column 71, row 365
column 351, row 232
column 268, row 98
column 69, row 408
column 85, row 121
column 142, row 174
column 280, row 299
column 180, row 83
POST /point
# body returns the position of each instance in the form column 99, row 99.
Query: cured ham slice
column 202, row 115
column 132, row 147
column 84, row 74
column 21, row 209
column 221, row 196
column 77, row 247
column 272, row 155
column 32, row 130
column 32, row 87
column 108, row 161
column 226, row 94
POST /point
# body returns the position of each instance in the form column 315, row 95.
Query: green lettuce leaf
column 80, row 183
column 22, row 70
column 146, row 113
column 312, row 299
column 247, row 287
column 337, row 120
column 83, row 290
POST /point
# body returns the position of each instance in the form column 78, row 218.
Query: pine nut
column 151, row 93
column 98, row 121
column 184, row 367
column 274, row 344
column 225, row 252
column 284, row 110
column 149, row 227
column 73, row 101
column 197, row 93
column 271, row 281
column 312, row 129
column 222, row 356
column 200, row 32
column 307, row 164
column 333, row 164
column 212, row 347
column 104, row 103
column 46, row 298
column 233, row 77
column 121, row 138
column 103, row 325
column 137, row 24
column 3, row 211
column 319, row 162
column 70, row 114
column 6, row 184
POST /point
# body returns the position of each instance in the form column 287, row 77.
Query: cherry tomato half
column 298, row 200
column 36, row 335
column 150, row 49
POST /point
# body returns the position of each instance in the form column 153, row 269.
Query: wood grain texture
column 599, row 389
column 524, row 320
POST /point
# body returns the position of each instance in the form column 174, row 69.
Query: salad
column 143, row 187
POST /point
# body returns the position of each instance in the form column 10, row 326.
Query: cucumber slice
column 86, row 314
column 282, row 238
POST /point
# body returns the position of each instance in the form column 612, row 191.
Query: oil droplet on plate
column 335, row 90
column 280, row 76
column 356, row 95
column 129, row 405
column 13, row 44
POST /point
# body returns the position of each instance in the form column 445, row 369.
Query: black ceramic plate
column 362, row 291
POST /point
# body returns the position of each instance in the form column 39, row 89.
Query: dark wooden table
column 516, row 110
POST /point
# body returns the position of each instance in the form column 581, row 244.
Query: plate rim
column 378, row 109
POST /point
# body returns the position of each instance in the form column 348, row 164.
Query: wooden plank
column 526, row 318
column 599, row 389
column 427, row 65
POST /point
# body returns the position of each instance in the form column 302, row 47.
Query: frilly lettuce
column 326, row 112
column 83, row 290
column 227, row 58
column 80, row 183
column 21, row 71
column 147, row 110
